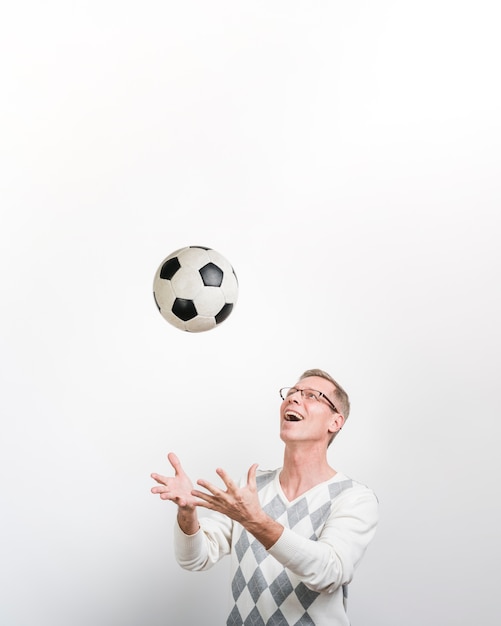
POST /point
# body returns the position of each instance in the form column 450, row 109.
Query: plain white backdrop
column 345, row 157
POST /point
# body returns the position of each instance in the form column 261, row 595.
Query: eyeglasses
column 307, row 394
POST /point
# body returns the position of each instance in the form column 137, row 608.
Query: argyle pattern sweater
column 303, row 578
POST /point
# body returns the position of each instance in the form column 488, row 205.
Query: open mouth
column 292, row 416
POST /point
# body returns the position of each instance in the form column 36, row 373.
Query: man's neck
column 303, row 469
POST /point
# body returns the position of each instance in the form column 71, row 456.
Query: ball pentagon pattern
column 195, row 288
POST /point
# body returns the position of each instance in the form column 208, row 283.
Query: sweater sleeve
column 330, row 562
column 207, row 546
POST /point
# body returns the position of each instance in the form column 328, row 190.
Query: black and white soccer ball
column 195, row 288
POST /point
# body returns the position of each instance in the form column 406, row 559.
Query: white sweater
column 302, row 579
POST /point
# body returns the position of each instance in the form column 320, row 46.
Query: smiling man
column 295, row 534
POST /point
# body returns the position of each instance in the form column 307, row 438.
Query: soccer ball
column 195, row 288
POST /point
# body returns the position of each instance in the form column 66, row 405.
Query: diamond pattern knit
column 264, row 592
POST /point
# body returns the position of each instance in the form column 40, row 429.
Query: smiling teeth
column 293, row 417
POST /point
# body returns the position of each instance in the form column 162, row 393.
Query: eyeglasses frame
column 301, row 391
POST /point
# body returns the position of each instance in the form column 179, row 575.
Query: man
column 295, row 534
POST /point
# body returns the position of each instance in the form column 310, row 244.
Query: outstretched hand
column 177, row 488
column 241, row 504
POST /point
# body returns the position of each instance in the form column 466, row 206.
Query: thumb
column 251, row 475
column 176, row 464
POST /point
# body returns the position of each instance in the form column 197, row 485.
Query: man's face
column 305, row 416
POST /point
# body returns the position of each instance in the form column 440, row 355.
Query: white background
column 345, row 157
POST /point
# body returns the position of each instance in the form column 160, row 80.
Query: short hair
column 342, row 401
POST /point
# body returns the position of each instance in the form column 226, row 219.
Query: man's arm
column 331, row 561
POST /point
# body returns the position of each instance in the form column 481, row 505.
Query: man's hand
column 178, row 489
column 241, row 504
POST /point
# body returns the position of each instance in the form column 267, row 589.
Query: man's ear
column 337, row 422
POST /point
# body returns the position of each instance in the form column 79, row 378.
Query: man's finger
column 174, row 461
column 202, row 495
column 160, row 479
column 251, row 475
column 227, row 480
column 209, row 486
